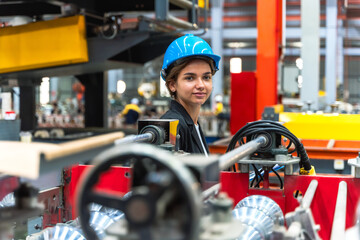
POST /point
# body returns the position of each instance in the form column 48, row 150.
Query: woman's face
column 194, row 83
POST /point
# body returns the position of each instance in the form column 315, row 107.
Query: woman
column 188, row 67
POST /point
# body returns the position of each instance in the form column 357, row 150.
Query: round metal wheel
column 165, row 198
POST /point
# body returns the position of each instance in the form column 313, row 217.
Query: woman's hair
column 176, row 69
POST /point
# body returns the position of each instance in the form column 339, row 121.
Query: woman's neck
column 192, row 110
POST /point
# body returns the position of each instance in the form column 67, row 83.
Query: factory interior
column 89, row 148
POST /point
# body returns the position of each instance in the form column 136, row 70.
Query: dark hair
column 174, row 71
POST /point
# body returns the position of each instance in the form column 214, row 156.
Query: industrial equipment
column 161, row 195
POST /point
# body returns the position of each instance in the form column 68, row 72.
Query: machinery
column 162, row 195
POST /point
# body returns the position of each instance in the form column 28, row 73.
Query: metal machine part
column 220, row 224
column 259, row 214
column 264, row 204
column 303, row 214
column 8, row 200
column 208, row 169
column 355, row 162
column 112, row 213
column 165, row 199
column 338, row 227
column 100, row 219
column 26, row 206
column 230, row 158
column 151, row 133
column 59, row 232
column 156, row 185
column 157, row 133
column 275, row 134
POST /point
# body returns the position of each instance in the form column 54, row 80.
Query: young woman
column 188, row 67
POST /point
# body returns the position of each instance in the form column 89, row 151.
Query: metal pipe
column 338, row 227
column 146, row 137
column 309, row 195
column 180, row 23
column 230, row 158
column 211, row 191
column 184, row 4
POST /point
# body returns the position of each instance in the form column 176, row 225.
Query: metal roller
column 259, row 214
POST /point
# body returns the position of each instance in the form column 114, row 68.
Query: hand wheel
column 165, row 198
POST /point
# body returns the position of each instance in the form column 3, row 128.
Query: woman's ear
column 172, row 86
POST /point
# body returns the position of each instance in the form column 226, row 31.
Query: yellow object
column 308, row 172
column 43, row 44
column 219, row 108
column 201, row 3
column 130, row 107
column 278, row 108
column 322, row 93
column 173, row 131
column 323, row 126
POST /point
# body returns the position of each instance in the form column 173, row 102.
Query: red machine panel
column 117, row 179
column 7, row 185
column 323, row 204
column 242, row 100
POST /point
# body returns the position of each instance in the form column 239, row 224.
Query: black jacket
column 189, row 139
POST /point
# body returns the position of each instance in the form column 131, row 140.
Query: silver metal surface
column 230, row 158
column 305, row 218
column 211, row 191
column 264, row 204
column 355, row 162
column 244, row 168
column 259, row 225
column 177, row 22
column 289, row 169
column 290, row 161
column 59, row 232
column 259, row 214
column 146, row 137
column 8, row 200
column 338, row 227
column 100, row 222
column 184, row 4
column 308, row 197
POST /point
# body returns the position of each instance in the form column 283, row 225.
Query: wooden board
column 23, row 159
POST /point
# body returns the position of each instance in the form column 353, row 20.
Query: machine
column 141, row 191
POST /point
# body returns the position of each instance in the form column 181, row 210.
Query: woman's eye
column 207, row 77
column 188, row 78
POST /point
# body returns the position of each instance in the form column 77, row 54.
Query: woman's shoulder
column 171, row 114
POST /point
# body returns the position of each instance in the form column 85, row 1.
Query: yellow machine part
column 173, row 131
column 43, row 44
column 278, row 108
column 324, row 126
column 201, row 3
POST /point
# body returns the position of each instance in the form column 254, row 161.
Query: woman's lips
column 200, row 94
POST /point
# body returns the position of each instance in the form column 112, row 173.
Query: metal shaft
column 309, row 195
column 180, row 23
column 184, row 4
column 211, row 191
column 230, row 158
column 146, row 137
column 338, row 227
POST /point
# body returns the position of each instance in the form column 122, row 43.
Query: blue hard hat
column 185, row 47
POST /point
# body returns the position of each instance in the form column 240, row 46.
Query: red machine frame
column 236, row 185
column 323, row 203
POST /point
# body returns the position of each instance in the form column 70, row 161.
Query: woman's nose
column 200, row 83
